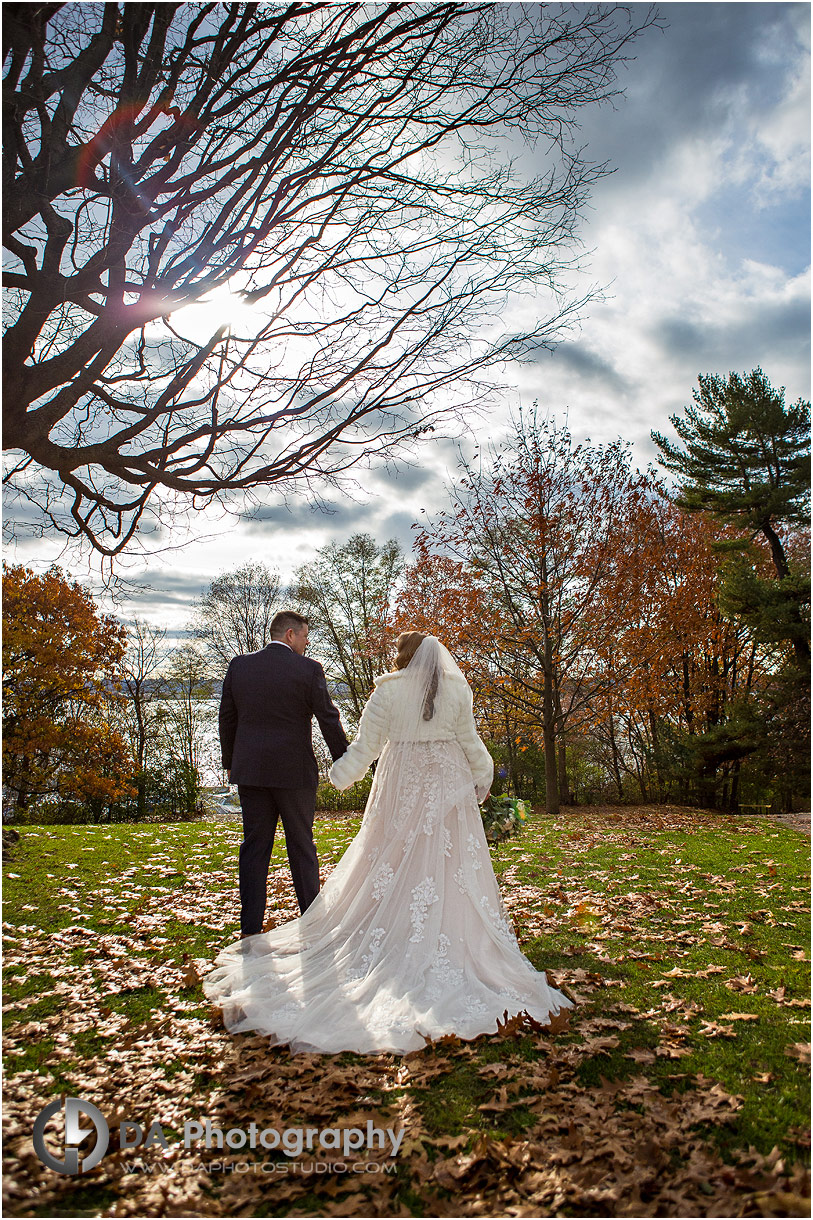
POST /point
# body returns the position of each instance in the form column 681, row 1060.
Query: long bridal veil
column 408, row 940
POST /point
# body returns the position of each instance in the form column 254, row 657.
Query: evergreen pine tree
column 746, row 460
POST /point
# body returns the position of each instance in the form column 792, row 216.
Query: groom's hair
column 286, row 620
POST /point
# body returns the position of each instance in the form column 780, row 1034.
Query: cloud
column 701, row 240
column 588, row 365
column 302, row 514
column 728, row 74
column 387, row 513
column 398, row 525
column 702, row 236
column 760, row 332
column 404, row 478
column 168, row 586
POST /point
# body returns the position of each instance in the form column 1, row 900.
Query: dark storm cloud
column 589, row 367
column 759, row 334
column 381, row 521
column 161, row 587
column 681, row 338
column 304, row 516
column 398, row 526
column 404, row 479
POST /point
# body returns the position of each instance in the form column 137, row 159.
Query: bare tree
column 187, row 720
column 234, row 615
column 349, row 591
column 142, row 686
column 330, row 177
column 142, row 713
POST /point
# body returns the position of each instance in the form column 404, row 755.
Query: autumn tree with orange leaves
column 743, row 458
column 585, row 608
column 683, row 716
column 444, row 597
column 550, row 568
column 61, row 664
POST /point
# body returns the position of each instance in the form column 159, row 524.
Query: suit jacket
column 268, row 701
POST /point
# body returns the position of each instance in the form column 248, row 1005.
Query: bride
column 408, row 939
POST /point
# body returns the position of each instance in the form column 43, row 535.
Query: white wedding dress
column 408, row 939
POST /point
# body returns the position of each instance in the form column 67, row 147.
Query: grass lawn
column 680, row 1088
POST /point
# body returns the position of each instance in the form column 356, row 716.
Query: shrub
column 331, row 800
column 170, row 794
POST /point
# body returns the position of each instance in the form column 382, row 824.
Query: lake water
column 211, row 771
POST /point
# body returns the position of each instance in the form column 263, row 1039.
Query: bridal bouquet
column 503, row 817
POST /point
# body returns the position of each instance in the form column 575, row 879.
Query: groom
column 269, row 698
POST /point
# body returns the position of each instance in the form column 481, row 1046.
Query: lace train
column 408, row 937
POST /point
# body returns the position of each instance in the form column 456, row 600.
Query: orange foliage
column 61, row 661
column 535, row 572
column 572, row 590
column 695, row 659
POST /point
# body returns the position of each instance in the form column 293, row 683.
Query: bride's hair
column 407, row 645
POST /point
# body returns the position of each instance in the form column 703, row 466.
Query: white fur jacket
column 453, row 720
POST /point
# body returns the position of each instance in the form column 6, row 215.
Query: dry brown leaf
column 710, row 1029
column 742, row 982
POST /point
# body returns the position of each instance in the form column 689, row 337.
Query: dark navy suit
column 268, row 702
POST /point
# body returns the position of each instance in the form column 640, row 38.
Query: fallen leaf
column 710, row 1029
column 742, row 982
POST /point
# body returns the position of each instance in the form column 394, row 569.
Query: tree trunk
column 614, row 754
column 549, row 740
column 687, row 706
column 734, row 790
column 564, row 787
column 509, row 745
column 141, row 750
column 777, row 550
column 23, row 791
column 551, row 778
column 801, row 648
column 656, row 753
column 561, row 750
column 549, row 697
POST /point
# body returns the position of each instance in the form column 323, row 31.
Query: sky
column 700, row 240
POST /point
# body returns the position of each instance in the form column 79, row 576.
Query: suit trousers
column 262, row 808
